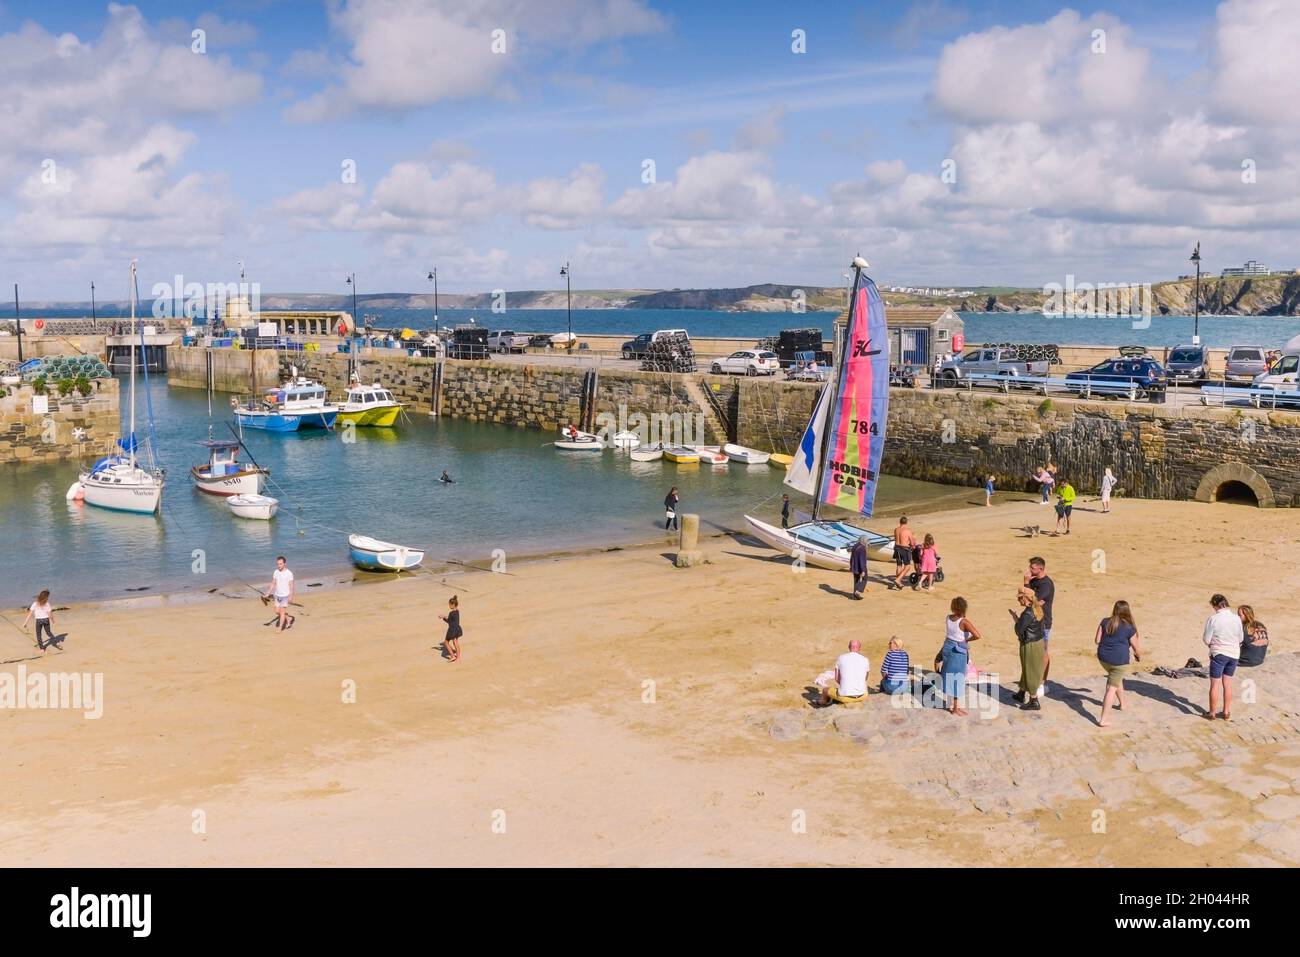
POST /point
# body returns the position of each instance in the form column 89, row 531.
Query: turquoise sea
column 513, row 491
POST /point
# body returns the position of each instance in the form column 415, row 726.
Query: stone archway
column 1233, row 480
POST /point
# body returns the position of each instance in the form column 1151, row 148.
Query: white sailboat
column 839, row 456
column 117, row 481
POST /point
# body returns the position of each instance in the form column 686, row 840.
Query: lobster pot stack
column 670, row 353
column 1031, row 351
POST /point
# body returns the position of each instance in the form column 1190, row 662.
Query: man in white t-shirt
column 282, row 590
column 851, row 671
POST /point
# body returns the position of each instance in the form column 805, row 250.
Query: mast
column 833, row 385
column 130, row 435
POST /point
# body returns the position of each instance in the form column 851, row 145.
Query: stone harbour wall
column 28, row 437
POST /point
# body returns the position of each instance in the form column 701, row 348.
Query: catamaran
column 838, row 460
column 117, row 481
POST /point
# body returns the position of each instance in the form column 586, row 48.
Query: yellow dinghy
column 779, row 460
column 682, row 455
column 369, row 405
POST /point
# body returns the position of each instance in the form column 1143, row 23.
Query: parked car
column 1189, row 364
column 503, row 340
column 1244, row 363
column 747, row 362
column 988, row 361
column 638, row 347
column 1143, row 376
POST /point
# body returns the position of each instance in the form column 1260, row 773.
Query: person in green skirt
column 1029, row 629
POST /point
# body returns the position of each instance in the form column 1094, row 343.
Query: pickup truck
column 638, row 348
column 504, row 341
column 989, row 362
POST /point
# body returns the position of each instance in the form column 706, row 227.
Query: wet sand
column 612, row 709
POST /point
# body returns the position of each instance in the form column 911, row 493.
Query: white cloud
column 1256, row 72
column 409, row 53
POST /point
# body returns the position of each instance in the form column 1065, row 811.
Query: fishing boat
column 374, row 555
column 711, row 455
column 575, row 441
column 682, row 455
column 646, row 455
column 261, row 507
column 742, row 455
column 838, row 461
column 779, row 460
column 625, row 440
column 117, row 481
column 224, row 474
column 370, row 405
column 297, row 404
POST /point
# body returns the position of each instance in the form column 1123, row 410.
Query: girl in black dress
column 452, row 618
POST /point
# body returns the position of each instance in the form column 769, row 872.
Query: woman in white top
column 1108, row 483
column 44, row 615
column 960, row 632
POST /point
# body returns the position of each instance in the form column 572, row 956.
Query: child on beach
column 452, row 641
column 988, row 491
column 1108, row 483
column 44, row 615
column 1045, row 482
column 929, row 562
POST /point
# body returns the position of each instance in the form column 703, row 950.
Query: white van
column 1284, row 371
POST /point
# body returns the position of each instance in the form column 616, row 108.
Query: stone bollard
column 688, row 547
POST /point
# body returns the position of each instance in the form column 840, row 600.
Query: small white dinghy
column 579, row 442
column 711, row 455
column 646, row 455
column 253, row 506
column 743, row 455
column 625, row 440
column 374, row 555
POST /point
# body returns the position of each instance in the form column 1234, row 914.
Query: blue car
column 1125, row 377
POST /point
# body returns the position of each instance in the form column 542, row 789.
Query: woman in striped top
column 895, row 668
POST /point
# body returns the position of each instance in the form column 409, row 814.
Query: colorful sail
column 802, row 473
column 856, row 419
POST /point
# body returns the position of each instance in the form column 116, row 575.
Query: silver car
column 1244, row 363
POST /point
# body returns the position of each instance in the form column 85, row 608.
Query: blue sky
column 770, row 165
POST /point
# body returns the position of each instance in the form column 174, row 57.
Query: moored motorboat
column 224, row 474
column 743, row 455
column 682, row 455
column 261, row 507
column 374, row 555
column 298, row 404
column 646, row 455
column 711, row 455
column 369, row 405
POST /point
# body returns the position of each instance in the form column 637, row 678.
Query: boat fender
column 234, row 402
column 76, row 492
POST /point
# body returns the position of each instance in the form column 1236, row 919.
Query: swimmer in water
column 445, row 477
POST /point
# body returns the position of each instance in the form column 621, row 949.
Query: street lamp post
column 18, row 322
column 1196, row 307
column 352, row 281
column 93, row 323
column 433, row 274
column 568, row 299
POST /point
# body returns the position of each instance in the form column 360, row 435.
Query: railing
column 1261, row 397
column 1129, row 388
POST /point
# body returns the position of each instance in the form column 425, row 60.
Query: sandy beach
column 611, row 709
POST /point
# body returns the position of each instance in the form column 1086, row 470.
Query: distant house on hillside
column 1251, row 268
column 916, row 333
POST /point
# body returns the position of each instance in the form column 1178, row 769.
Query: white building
column 1251, row 268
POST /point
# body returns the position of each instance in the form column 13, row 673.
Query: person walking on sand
column 988, row 491
column 929, row 562
column 1064, row 504
column 670, row 509
column 1222, row 635
column 785, row 511
column 282, row 589
column 960, row 631
column 1044, row 590
column 858, row 566
column 1117, row 639
column 40, row 610
column 451, row 642
column 904, row 542
column 1045, row 482
column 1108, row 483
column 1029, row 631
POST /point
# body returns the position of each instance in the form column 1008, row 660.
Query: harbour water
column 513, row 491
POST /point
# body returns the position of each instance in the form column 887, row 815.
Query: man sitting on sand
column 904, row 542
column 849, row 679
